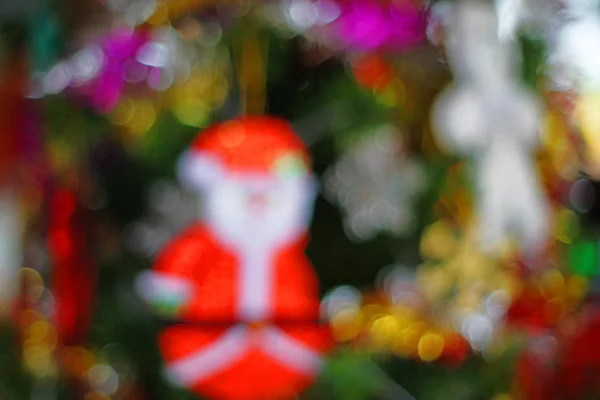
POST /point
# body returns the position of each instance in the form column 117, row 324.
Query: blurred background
column 455, row 234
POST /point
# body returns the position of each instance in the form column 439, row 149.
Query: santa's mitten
column 244, row 362
column 165, row 293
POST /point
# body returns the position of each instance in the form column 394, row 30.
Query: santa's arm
column 169, row 285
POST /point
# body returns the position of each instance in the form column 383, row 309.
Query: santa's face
column 252, row 211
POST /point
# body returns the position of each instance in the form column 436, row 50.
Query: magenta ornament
column 119, row 52
column 373, row 25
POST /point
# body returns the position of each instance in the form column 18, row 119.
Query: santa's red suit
column 251, row 298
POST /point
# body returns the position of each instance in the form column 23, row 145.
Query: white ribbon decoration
column 575, row 50
column 486, row 113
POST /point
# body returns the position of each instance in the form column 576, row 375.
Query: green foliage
column 45, row 41
column 583, row 257
column 533, row 55
column 475, row 379
column 14, row 382
column 348, row 375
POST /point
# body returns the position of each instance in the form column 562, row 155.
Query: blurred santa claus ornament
column 239, row 282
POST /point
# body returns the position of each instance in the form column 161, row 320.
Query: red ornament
column 576, row 376
column 527, row 312
column 240, row 281
column 455, row 351
column 563, row 366
column 533, row 377
column 373, row 72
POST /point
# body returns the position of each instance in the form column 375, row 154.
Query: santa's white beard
column 282, row 221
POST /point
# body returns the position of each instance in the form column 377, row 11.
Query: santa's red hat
column 246, row 145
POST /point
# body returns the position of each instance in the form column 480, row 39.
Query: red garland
column 11, row 102
column 569, row 373
column 72, row 268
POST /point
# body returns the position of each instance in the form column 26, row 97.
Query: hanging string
column 252, row 70
column 168, row 10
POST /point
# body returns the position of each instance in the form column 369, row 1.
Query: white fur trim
column 230, row 347
column 196, row 170
column 290, row 352
column 211, row 360
column 254, row 285
column 154, row 285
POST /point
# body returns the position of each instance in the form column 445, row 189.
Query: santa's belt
column 233, row 344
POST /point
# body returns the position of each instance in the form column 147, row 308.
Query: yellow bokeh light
column 144, row 117
column 508, row 283
column 194, row 113
column 471, row 265
column 471, row 298
column 346, row 324
column 405, row 313
column 96, row 396
column 218, row 91
column 384, row 329
column 435, row 282
column 586, row 112
column 431, row 346
column 38, row 360
column 407, row 340
column 438, row 241
column 60, row 155
column 552, row 284
column 577, row 287
column 39, row 330
column 161, row 14
column 566, row 226
column 123, row 112
column 388, row 97
column 34, row 283
column 373, row 311
column 559, row 149
column 555, row 309
column 29, row 317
